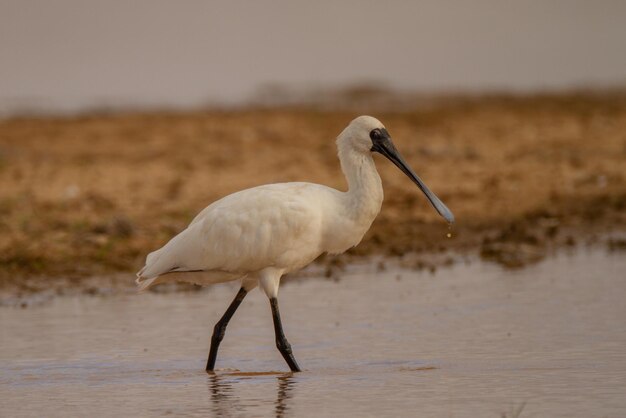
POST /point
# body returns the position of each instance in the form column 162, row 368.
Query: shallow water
column 472, row 340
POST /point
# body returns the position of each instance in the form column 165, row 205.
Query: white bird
column 259, row 234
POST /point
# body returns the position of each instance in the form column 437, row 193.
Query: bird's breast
column 346, row 232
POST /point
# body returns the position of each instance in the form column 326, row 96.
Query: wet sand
column 466, row 341
column 91, row 195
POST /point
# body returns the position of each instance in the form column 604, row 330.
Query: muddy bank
column 91, row 195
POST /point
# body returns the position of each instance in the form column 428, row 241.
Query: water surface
column 472, row 340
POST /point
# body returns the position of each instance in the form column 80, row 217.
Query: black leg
column 281, row 342
column 220, row 328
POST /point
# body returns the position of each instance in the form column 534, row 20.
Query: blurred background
column 71, row 55
column 121, row 120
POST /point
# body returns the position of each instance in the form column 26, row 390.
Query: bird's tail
column 146, row 279
column 202, row 278
column 144, row 283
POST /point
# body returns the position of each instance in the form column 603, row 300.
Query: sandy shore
column 92, row 195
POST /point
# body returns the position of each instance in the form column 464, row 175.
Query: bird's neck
column 365, row 190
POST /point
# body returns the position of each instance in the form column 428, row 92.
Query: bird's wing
column 265, row 226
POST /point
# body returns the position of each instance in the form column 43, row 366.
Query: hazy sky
column 70, row 54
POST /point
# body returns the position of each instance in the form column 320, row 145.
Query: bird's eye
column 375, row 135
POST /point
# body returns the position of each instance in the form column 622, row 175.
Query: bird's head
column 358, row 135
column 366, row 134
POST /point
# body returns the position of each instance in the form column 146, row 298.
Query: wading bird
column 259, row 234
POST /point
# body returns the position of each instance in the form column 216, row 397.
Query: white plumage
column 281, row 226
column 262, row 233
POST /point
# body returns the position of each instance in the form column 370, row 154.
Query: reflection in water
column 285, row 389
column 224, row 399
column 220, row 392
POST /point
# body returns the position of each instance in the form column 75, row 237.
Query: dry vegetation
column 93, row 194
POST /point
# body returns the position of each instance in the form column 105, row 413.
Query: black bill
column 386, row 148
